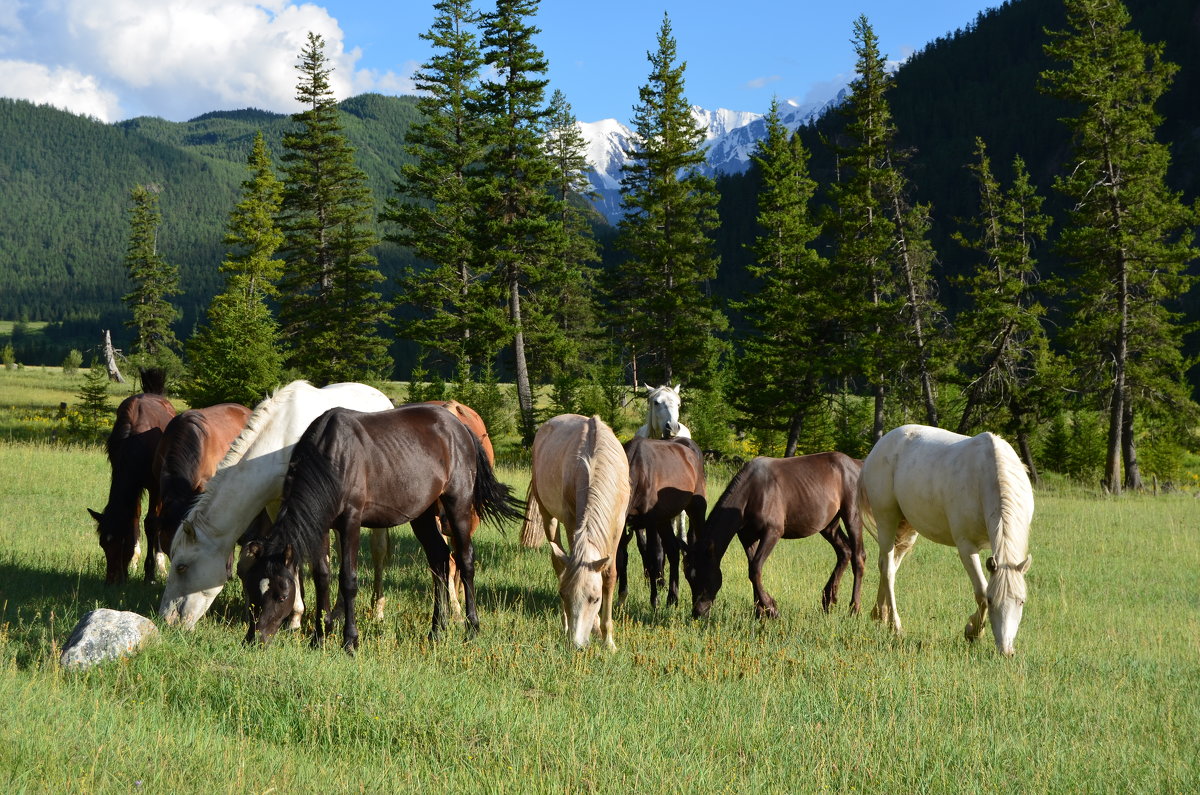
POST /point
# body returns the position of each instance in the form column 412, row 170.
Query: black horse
column 355, row 469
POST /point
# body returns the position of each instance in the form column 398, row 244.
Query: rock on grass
column 106, row 635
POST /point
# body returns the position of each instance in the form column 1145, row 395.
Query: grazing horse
column 136, row 432
column 662, row 422
column 580, row 480
column 773, row 498
column 968, row 492
column 248, row 480
column 666, row 478
column 352, row 469
column 192, row 446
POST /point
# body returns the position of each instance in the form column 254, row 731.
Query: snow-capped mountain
column 729, row 139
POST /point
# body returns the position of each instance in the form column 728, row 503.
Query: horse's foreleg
column 970, row 560
column 622, row 564
column 323, row 616
column 653, row 561
column 756, row 555
column 379, row 556
column 606, row 605
column 670, row 548
column 348, row 578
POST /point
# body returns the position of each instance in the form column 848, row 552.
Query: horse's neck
column 236, row 494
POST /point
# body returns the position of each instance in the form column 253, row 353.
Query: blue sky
column 113, row 59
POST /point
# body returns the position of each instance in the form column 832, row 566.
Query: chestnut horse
column 773, row 498
column 192, row 446
column 141, row 420
column 376, row 469
column 666, row 478
column 581, row 480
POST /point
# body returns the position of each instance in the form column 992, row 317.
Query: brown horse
column 666, row 478
column 136, row 433
column 192, row 445
column 773, row 498
column 352, row 469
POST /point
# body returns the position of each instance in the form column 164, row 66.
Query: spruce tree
column 154, row 282
column 517, row 209
column 1129, row 237
column 1006, row 362
column 666, row 313
column 434, row 211
column 236, row 356
column 330, row 311
column 786, row 361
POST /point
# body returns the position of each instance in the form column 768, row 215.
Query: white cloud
column 65, row 89
column 180, row 58
column 761, row 82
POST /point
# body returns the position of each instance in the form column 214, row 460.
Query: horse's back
column 660, row 467
column 566, row 451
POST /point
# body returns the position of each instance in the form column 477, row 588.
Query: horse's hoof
column 767, row 611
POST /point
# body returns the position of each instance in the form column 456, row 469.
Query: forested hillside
column 66, row 182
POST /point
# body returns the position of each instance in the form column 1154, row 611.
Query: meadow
column 1103, row 694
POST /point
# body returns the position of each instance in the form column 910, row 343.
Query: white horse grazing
column 662, row 419
column 581, row 481
column 249, row 479
column 966, row 492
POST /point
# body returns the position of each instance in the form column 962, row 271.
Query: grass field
column 1103, row 694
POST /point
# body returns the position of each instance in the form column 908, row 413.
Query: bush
column 72, row 363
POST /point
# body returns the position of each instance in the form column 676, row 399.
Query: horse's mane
column 604, row 459
column 312, row 494
column 185, row 457
column 1010, row 545
column 260, row 419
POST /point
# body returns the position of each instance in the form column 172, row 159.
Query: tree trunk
column 793, row 440
column 1133, row 475
column 524, row 390
column 1112, row 458
column 110, row 359
column 877, row 426
column 1027, row 457
column 915, row 302
column 1116, row 408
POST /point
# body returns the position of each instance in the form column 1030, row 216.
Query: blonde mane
column 604, row 459
column 1011, row 544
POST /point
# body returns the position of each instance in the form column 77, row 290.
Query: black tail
column 493, row 500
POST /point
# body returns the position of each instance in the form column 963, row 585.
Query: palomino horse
column 249, row 479
column 666, row 478
column 352, row 469
column 136, row 432
column 773, row 498
column 966, row 492
column 192, row 446
column 580, row 480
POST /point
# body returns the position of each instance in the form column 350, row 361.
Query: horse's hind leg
column 379, row 559
column 670, row 546
column 841, row 548
column 896, row 537
column 348, row 578
column 622, row 564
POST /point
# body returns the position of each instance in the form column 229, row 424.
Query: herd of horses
column 276, row 480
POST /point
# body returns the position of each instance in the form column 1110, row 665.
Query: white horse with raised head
column 662, row 418
column 968, row 492
column 580, row 481
column 249, row 480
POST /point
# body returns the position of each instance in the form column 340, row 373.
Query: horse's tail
column 493, row 500
column 532, row 534
column 864, row 506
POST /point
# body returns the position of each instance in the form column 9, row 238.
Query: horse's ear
column 991, row 565
column 597, row 565
column 95, row 515
column 647, row 387
column 1025, row 564
column 677, row 388
column 559, row 555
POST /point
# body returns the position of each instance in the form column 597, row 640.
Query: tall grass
column 1101, row 696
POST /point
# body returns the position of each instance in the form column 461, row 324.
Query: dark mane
column 185, row 458
column 314, row 496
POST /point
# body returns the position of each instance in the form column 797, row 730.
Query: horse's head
column 199, row 569
column 269, row 581
column 119, row 540
column 581, row 587
column 663, row 418
column 702, row 575
column 1006, row 601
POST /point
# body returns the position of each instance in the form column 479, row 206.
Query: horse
column 352, row 469
column 248, row 480
column 773, row 498
column 135, row 435
column 187, row 456
column 666, row 478
column 662, row 417
column 580, row 480
column 968, row 492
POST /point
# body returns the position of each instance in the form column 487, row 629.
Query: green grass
column 1102, row 694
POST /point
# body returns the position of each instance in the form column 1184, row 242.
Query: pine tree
column 95, row 414
column 236, row 356
column 517, row 210
column 661, row 298
column 434, row 210
column 1007, row 363
column 329, row 309
column 785, row 363
column 1129, row 237
column 154, row 282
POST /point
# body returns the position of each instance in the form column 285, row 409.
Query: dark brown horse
column 773, row 498
column 192, row 446
column 141, row 420
column 352, row 469
column 666, row 478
